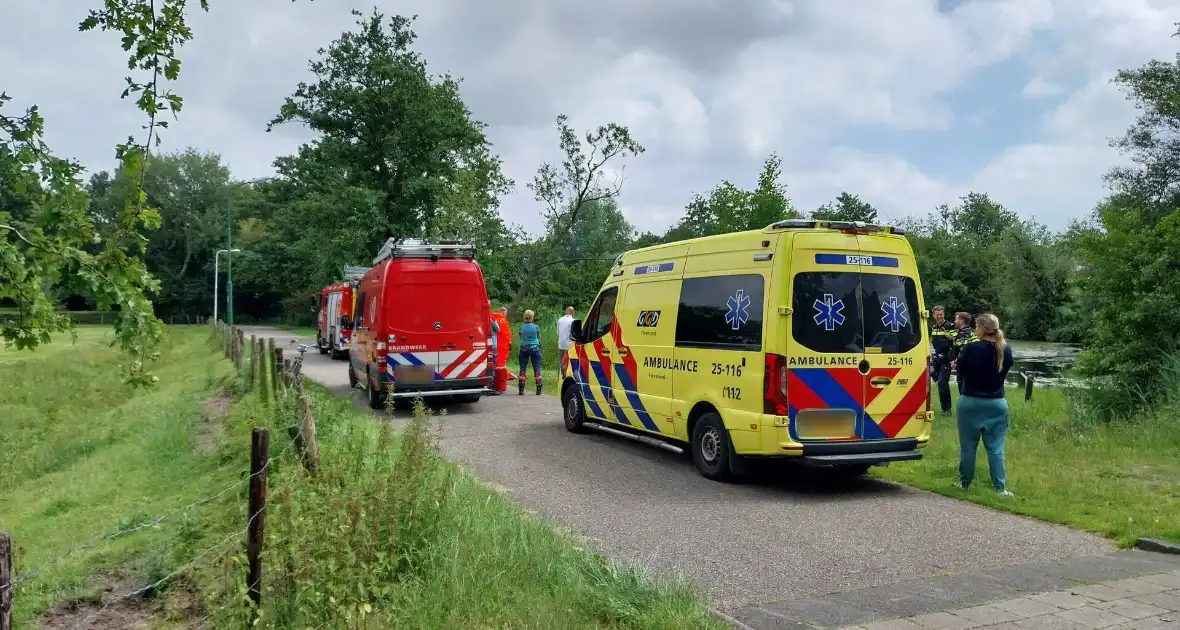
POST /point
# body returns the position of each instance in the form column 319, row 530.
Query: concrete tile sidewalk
column 1126, row 590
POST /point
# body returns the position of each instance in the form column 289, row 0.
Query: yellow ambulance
column 804, row 340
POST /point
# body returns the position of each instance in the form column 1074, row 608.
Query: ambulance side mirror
column 576, row 330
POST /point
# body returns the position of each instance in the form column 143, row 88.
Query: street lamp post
column 216, row 260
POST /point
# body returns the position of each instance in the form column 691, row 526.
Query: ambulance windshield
column 835, row 312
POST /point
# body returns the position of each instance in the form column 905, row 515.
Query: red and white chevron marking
column 463, row 363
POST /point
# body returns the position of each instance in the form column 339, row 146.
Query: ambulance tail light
column 774, row 385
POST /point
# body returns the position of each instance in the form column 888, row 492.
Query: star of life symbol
column 895, row 314
column 829, row 313
column 739, row 309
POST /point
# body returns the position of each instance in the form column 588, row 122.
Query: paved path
column 749, row 546
column 1128, row 590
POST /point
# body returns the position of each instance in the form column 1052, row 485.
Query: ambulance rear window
column 891, row 315
column 826, row 312
column 836, row 312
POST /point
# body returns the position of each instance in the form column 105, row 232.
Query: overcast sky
column 908, row 103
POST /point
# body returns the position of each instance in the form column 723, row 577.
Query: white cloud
column 1039, row 87
column 709, row 88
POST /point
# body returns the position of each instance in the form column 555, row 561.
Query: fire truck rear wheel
column 375, row 398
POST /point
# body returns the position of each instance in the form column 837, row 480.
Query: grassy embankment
column 1120, row 479
column 390, row 534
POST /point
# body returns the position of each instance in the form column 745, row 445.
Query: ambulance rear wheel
column 710, row 447
column 574, row 410
column 352, row 382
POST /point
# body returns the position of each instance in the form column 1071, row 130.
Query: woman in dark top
column 982, row 410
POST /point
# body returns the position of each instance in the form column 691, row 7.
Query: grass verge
column 392, row 535
column 388, row 535
column 86, row 455
column 1120, row 480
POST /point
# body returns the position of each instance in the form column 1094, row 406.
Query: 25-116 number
column 727, row 369
column 901, row 360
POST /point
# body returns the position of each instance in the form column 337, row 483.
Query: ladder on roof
column 417, row 248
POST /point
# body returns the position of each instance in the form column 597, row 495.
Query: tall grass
column 392, row 535
column 1069, row 465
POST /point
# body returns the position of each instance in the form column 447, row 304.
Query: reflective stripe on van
column 448, row 364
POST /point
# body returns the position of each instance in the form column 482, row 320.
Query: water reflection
column 1046, row 362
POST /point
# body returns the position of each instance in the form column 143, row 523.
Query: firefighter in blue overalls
column 965, row 336
column 942, row 335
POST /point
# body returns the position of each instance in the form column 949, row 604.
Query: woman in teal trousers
column 982, row 412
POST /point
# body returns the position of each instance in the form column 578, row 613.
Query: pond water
column 1046, row 362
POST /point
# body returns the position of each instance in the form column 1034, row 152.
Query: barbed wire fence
column 278, row 383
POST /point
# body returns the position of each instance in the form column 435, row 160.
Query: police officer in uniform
column 966, row 334
column 942, row 335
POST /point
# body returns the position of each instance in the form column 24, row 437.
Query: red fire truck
column 337, row 304
column 423, row 324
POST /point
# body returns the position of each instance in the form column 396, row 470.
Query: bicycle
column 294, row 373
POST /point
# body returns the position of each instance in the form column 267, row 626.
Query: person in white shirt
column 563, row 336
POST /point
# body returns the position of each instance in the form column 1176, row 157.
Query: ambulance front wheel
column 710, row 447
column 575, row 410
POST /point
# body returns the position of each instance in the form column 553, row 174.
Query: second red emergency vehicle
column 423, row 324
column 334, row 325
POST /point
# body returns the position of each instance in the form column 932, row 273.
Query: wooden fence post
column 262, row 368
column 287, row 373
column 278, row 370
column 6, row 579
column 1028, row 386
column 240, row 344
column 256, row 528
column 310, row 448
column 270, row 367
column 253, row 381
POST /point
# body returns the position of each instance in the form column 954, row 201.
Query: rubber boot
column 521, row 382
column 538, row 386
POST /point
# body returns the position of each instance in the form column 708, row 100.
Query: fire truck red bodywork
column 423, row 328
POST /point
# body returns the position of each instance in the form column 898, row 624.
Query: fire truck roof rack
column 416, row 248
